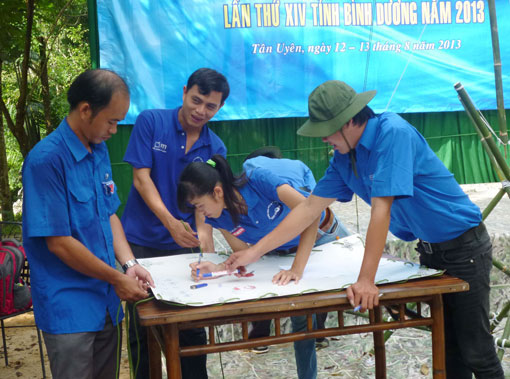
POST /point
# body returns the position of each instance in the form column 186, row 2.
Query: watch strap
column 128, row 264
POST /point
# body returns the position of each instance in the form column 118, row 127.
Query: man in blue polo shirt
column 162, row 143
column 385, row 161
column 72, row 235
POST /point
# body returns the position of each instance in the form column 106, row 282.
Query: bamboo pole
column 501, row 342
column 504, row 269
column 493, row 203
column 505, row 335
column 501, row 315
column 497, row 74
column 494, row 162
column 484, row 131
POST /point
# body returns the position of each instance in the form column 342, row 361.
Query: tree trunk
column 43, row 72
column 5, row 192
column 18, row 130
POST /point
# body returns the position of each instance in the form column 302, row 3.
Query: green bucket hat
column 330, row 106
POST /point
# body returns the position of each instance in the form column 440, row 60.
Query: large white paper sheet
column 331, row 266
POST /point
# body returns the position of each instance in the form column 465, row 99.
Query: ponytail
column 200, row 178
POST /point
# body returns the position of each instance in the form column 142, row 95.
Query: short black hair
column 363, row 115
column 266, row 151
column 95, row 87
column 209, row 80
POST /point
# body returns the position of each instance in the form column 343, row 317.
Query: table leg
column 154, row 354
column 379, row 347
column 173, row 360
column 438, row 347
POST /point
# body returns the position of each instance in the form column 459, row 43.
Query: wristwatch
column 129, row 264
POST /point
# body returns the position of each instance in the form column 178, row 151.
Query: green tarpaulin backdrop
column 451, row 136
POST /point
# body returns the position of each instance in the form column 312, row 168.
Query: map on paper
column 331, row 266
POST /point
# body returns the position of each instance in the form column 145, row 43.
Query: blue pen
column 199, row 260
column 195, row 286
column 358, row 307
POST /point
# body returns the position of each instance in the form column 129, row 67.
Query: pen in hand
column 199, row 260
column 358, row 307
column 201, row 252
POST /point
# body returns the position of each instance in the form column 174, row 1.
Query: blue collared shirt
column 68, row 191
column 393, row 159
column 295, row 172
column 158, row 142
column 265, row 209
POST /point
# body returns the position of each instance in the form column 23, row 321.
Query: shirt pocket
column 82, row 207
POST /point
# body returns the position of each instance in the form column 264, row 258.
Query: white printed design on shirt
column 158, row 146
column 273, row 210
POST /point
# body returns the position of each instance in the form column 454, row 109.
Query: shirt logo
column 198, row 159
column 109, row 187
column 237, row 231
column 273, row 210
column 158, row 146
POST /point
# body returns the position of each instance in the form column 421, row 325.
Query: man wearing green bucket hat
column 387, row 162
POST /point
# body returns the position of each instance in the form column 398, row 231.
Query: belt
column 326, row 224
column 455, row 243
column 292, row 250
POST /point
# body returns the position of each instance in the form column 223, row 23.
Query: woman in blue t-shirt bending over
column 247, row 207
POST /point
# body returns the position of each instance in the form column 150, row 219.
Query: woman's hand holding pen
column 204, row 267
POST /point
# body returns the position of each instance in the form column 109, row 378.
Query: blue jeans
column 468, row 341
column 337, row 230
column 304, row 350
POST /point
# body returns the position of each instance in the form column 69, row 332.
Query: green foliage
column 61, row 27
column 11, row 25
column 14, row 162
column 68, row 60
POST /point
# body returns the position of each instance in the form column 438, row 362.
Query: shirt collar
column 75, row 146
column 367, row 140
column 204, row 139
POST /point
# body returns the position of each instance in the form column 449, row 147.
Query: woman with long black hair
column 247, row 207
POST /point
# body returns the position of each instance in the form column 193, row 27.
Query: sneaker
column 321, row 344
column 260, row 349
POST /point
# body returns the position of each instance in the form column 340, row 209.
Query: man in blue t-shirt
column 162, row 143
column 385, row 161
column 72, row 235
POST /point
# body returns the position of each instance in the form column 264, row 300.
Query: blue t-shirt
column 393, row 159
column 295, row 172
column 68, row 191
column 265, row 209
column 158, row 142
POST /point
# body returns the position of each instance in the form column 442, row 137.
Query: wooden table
column 165, row 321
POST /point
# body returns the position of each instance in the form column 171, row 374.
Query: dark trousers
column 191, row 367
column 469, row 343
